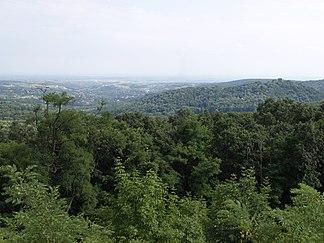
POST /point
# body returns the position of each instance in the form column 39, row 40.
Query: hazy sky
column 225, row 38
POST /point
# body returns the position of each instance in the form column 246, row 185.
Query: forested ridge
column 72, row 176
column 237, row 96
column 18, row 98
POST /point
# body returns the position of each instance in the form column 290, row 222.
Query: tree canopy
column 71, row 176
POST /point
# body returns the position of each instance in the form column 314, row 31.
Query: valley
column 152, row 96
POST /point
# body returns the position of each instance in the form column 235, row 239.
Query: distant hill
column 241, row 95
column 316, row 84
column 241, row 82
column 18, row 98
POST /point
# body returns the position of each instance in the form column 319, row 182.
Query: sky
column 221, row 38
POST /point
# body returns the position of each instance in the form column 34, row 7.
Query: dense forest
column 235, row 96
column 72, row 176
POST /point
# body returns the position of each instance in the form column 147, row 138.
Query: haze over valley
column 154, row 96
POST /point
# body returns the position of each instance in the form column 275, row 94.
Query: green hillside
column 316, row 84
column 245, row 97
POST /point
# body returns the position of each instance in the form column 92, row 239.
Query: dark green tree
column 191, row 157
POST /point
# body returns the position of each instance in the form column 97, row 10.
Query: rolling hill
column 237, row 96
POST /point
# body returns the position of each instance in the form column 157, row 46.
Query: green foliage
column 42, row 216
column 20, row 154
column 63, row 142
column 180, row 178
column 191, row 157
column 293, row 147
column 302, row 222
column 239, row 142
column 57, row 100
column 238, row 207
column 144, row 211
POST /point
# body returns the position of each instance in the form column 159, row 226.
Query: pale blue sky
column 224, row 38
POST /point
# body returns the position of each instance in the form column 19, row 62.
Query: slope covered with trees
column 238, row 97
column 71, row 176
